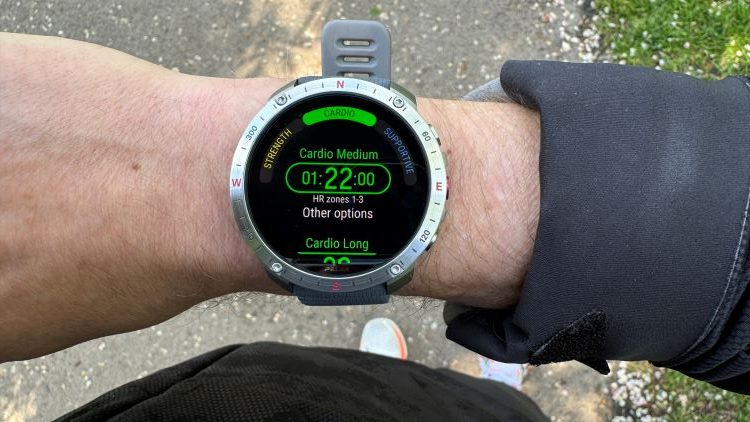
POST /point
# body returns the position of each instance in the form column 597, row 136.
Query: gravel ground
column 441, row 49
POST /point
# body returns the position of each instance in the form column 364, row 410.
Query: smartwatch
column 338, row 184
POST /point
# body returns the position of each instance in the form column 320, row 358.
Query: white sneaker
column 511, row 374
column 382, row 336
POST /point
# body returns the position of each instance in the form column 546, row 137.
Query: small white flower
column 686, row 45
column 683, row 399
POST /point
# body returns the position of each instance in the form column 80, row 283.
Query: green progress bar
column 330, row 253
column 338, row 113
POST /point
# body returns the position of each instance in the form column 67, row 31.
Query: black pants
column 270, row 381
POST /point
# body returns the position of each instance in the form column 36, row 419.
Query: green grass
column 700, row 37
column 677, row 397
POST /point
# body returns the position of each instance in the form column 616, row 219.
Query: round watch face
column 337, row 184
column 338, row 189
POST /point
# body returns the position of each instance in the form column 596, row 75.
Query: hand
column 114, row 211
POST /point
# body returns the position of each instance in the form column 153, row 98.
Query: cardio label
column 334, row 244
column 339, row 154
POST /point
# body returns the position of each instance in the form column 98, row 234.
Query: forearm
column 91, row 240
column 114, row 212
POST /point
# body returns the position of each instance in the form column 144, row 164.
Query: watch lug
column 408, row 96
column 305, row 79
column 400, row 281
column 279, row 281
column 284, row 88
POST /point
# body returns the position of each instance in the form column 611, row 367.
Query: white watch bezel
column 404, row 261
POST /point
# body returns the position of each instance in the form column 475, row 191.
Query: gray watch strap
column 371, row 296
column 356, row 48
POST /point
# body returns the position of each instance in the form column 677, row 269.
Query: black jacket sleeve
column 642, row 245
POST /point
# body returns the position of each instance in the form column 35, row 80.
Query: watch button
column 432, row 129
column 432, row 242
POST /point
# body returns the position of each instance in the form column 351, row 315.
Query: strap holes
column 357, row 59
column 356, row 43
column 360, row 75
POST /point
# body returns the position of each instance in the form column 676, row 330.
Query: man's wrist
column 486, row 239
column 115, row 210
column 218, row 110
column 485, row 242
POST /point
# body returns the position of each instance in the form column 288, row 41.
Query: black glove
column 642, row 245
